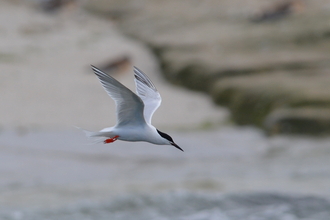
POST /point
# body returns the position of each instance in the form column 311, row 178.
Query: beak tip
column 175, row 145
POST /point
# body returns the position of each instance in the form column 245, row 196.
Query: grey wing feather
column 148, row 93
column 129, row 107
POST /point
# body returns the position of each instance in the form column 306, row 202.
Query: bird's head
column 169, row 139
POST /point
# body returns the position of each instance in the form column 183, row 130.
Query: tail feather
column 96, row 136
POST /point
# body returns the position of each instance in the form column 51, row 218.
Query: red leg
column 110, row 140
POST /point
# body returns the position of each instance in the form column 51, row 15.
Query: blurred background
column 245, row 89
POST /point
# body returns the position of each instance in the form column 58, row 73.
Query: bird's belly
column 138, row 134
column 132, row 135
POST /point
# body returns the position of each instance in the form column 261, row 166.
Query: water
column 226, row 173
column 189, row 206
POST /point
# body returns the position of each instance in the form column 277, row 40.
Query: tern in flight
column 134, row 112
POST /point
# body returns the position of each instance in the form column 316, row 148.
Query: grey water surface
column 225, row 173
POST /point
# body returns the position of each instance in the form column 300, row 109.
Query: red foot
column 110, row 140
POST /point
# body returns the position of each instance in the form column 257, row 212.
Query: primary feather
column 130, row 107
column 147, row 91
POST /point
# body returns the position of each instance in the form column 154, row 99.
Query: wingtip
column 137, row 72
column 135, row 69
column 97, row 71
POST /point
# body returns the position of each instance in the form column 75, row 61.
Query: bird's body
column 134, row 112
column 133, row 134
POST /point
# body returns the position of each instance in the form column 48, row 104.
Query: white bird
column 134, row 112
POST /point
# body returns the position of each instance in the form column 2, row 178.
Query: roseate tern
column 134, row 112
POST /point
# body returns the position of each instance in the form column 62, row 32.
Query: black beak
column 175, row 145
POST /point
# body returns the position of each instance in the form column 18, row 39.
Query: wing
column 129, row 107
column 148, row 93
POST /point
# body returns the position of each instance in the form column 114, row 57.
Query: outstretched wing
column 129, row 107
column 148, row 93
